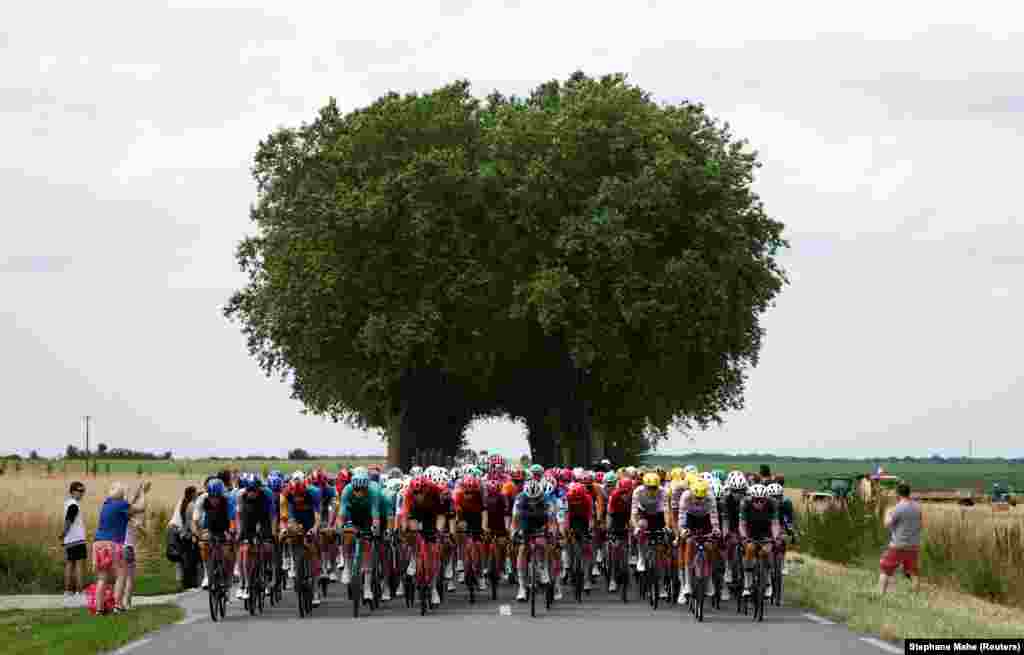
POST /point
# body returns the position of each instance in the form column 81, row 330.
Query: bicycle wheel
column 777, row 584
column 356, row 585
column 214, row 593
column 699, row 598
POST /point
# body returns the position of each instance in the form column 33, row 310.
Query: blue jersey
column 328, row 494
column 304, row 509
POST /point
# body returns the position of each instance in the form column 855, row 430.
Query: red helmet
column 471, row 484
column 565, row 476
column 587, row 477
column 298, row 487
column 518, row 475
column 626, row 484
column 319, row 478
column 419, row 484
column 599, row 476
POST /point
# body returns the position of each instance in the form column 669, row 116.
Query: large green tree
column 582, row 257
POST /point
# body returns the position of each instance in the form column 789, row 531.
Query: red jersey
column 620, row 502
column 468, row 502
column 430, row 505
column 582, row 509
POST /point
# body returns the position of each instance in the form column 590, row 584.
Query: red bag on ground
column 90, row 598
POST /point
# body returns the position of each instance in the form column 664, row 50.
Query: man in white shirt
column 75, row 551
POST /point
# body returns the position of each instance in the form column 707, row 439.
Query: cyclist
column 360, row 508
column 388, row 499
column 471, row 516
column 498, row 510
column 594, row 487
column 328, row 515
column 650, row 513
column 422, row 511
column 300, row 516
column 253, row 517
column 532, row 515
column 698, row 516
column 787, row 515
column 759, row 519
column 579, row 522
column 620, row 504
column 218, row 515
column 735, row 491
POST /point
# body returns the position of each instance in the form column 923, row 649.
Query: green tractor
column 833, row 490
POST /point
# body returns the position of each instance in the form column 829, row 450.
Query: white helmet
column 707, row 477
column 689, row 468
column 533, row 489
column 298, row 476
column 393, row 485
column 577, row 473
column 416, row 470
column 775, row 489
column 439, row 478
column 716, row 488
column 361, row 472
column 736, row 481
column 758, row 491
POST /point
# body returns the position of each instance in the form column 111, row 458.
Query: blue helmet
column 215, row 487
column 361, row 482
column 275, row 482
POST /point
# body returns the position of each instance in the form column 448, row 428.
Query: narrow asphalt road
column 601, row 624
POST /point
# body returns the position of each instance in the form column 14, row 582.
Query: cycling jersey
column 533, row 515
column 469, row 507
column 619, row 508
column 301, row 508
column 254, row 513
column 361, row 512
column 698, row 514
column 498, row 507
column 675, row 494
column 649, row 505
column 426, row 511
column 328, row 494
column 218, row 513
column 730, row 517
column 759, row 522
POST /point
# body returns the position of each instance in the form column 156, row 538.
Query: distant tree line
column 105, row 452
column 933, row 459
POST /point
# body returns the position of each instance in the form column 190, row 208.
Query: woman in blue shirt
column 108, row 547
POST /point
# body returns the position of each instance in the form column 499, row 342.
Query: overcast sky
column 891, row 135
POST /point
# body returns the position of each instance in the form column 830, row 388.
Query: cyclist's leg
column 588, row 560
column 749, row 552
column 521, row 569
column 641, row 544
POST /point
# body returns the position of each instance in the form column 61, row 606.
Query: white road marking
column 190, row 620
column 889, row 648
column 132, row 646
column 818, row 619
column 505, row 610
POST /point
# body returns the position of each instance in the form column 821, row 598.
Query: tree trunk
column 541, row 440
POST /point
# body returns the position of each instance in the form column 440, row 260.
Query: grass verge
column 849, row 594
column 76, row 632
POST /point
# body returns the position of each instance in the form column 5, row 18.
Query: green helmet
column 719, row 475
column 537, row 469
column 610, row 479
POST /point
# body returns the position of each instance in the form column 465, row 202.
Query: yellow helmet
column 652, row 480
column 691, row 479
column 677, row 473
column 699, row 489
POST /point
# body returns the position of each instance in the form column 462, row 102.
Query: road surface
column 602, row 624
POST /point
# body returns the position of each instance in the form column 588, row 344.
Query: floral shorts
column 106, row 555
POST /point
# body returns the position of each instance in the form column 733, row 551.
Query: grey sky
column 890, row 134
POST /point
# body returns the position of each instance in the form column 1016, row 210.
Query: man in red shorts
column 904, row 524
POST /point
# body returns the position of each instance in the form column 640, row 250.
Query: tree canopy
column 506, row 256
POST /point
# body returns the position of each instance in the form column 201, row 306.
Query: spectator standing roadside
column 904, row 523
column 136, row 525
column 75, row 550
column 181, row 521
column 108, row 547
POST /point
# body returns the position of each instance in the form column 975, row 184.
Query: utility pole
column 87, row 419
column 970, row 448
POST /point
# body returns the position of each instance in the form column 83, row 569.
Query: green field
column 921, row 475
column 194, row 467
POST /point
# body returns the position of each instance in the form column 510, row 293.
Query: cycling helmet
column 652, row 480
column 275, row 482
column 215, row 487
column 471, row 484
column 394, row 473
column 599, row 477
column 716, row 489
column 244, row 481
column 361, row 482
column 736, row 480
column 577, row 473
column 393, row 485
column 537, row 471
column 626, row 484
column 611, row 480
column 439, row 478
column 419, row 484
column 689, row 468
column 719, row 474
column 758, row 491
column 676, row 474
column 374, row 475
column 276, row 474
column 360, row 472
column 700, row 489
column 707, row 477
column 587, row 477
column 298, row 475
column 533, row 489
column 565, row 476
column 550, row 485
column 518, row 475
column 416, row 470
column 319, row 477
column 774, row 490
